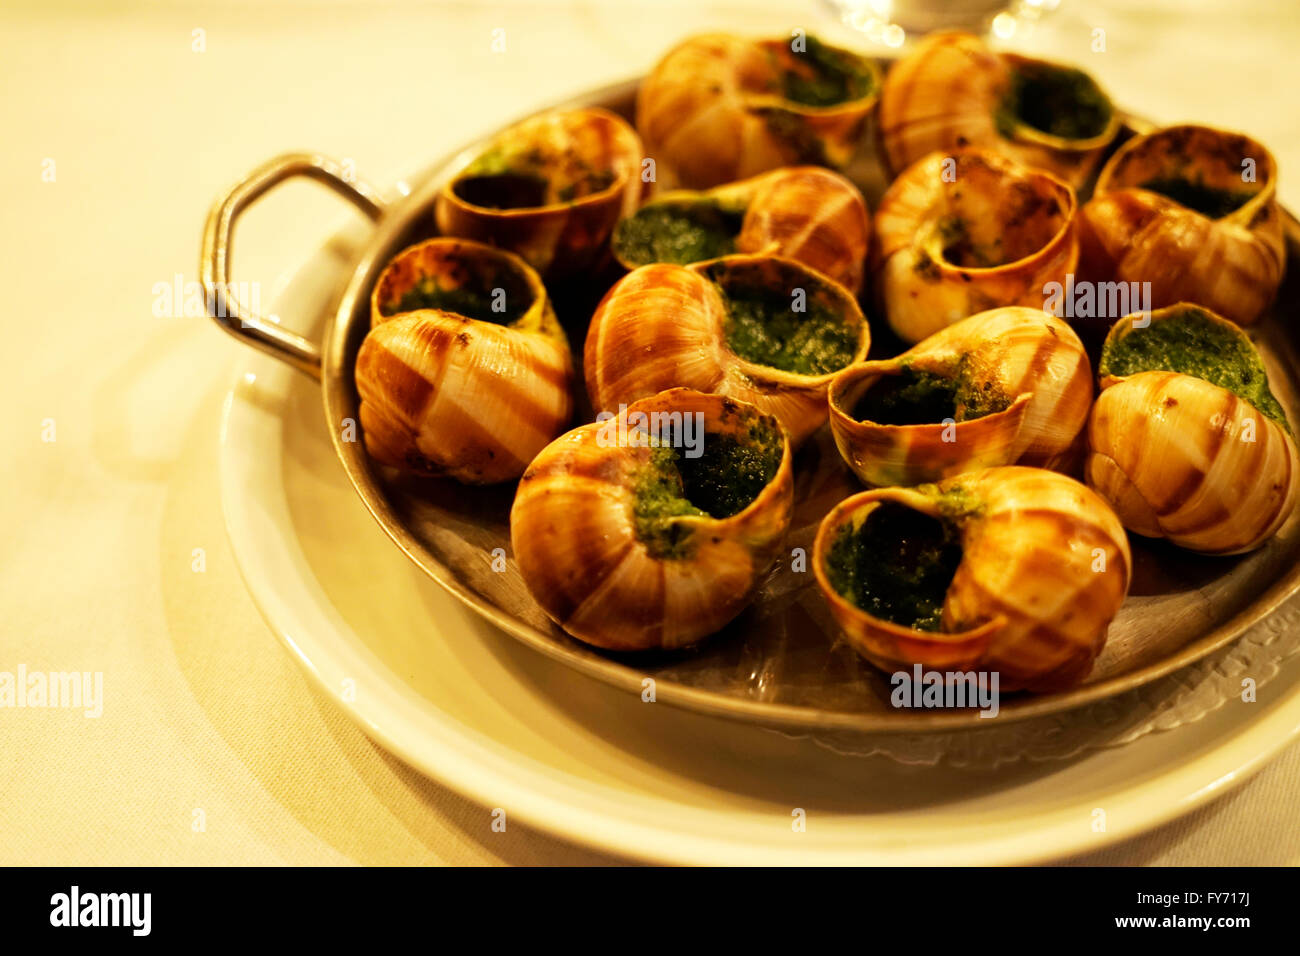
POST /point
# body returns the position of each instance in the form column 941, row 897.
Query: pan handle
column 214, row 261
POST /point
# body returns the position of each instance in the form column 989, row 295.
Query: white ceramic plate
column 430, row 681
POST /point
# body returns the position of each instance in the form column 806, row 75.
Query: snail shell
column 550, row 189
column 617, row 571
column 663, row 326
column 952, row 91
column 967, row 232
column 451, row 387
column 1015, row 387
column 1021, row 569
column 806, row 213
column 716, row 108
column 1179, row 457
column 1143, row 223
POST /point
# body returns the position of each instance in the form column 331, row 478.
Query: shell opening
column 480, row 288
column 969, row 238
column 528, row 178
column 896, row 564
column 916, row 396
column 1208, row 200
column 1197, row 167
column 680, row 233
column 821, row 75
column 1056, row 100
column 784, row 317
column 1192, row 341
column 720, row 477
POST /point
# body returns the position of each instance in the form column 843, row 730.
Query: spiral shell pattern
column 1231, row 263
column 446, row 394
column 806, row 213
column 663, row 326
column 575, row 537
column 1045, row 565
column 550, row 189
column 713, row 111
column 967, row 232
column 1179, row 457
column 1028, row 368
column 952, row 91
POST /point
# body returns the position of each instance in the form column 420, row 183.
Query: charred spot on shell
column 1027, row 219
column 422, row 465
column 1055, row 100
column 896, row 564
column 718, row 479
column 765, row 323
column 922, row 396
column 1197, row 343
column 677, row 232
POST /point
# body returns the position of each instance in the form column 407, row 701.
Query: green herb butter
column 1194, row 344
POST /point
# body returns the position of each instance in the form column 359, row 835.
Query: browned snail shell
column 952, row 91
column 718, row 108
column 969, row 231
column 1015, row 571
column 806, row 213
column 549, row 189
column 760, row 329
column 466, row 371
column 653, row 528
column 1008, row 386
column 1186, row 440
column 1192, row 212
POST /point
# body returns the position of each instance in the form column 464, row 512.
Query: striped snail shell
column 760, row 329
column 1007, row 386
column 718, row 108
column 549, row 189
column 465, row 371
column 806, row 213
column 653, row 528
column 952, row 91
column 962, row 233
column 1193, row 211
column 1012, row 570
column 1186, row 440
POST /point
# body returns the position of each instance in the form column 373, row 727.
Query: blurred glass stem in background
column 892, row 22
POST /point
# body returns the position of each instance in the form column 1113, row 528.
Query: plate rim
column 462, row 759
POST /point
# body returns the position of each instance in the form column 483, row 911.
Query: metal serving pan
column 781, row 663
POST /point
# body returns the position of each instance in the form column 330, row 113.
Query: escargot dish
column 465, row 371
column 1187, row 440
column 550, row 189
column 1192, row 213
column 718, row 108
column 952, row 91
column 961, row 233
column 760, row 329
column 1015, row 571
column 805, row 213
column 652, row 528
column 1008, row 386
